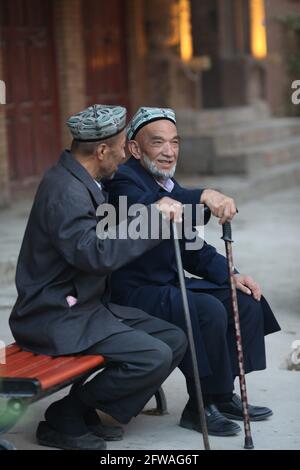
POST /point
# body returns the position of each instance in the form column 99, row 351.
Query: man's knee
column 215, row 314
column 176, row 339
column 159, row 359
column 250, row 310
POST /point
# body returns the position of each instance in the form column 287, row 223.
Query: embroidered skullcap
column 146, row 115
column 97, row 122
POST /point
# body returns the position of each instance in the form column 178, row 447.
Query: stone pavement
column 266, row 234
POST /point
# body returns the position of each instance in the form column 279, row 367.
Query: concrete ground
column 266, row 234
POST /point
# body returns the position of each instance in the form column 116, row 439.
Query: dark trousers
column 256, row 320
column 213, row 329
column 138, row 362
column 213, row 313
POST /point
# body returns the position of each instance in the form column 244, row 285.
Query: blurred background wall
column 226, row 66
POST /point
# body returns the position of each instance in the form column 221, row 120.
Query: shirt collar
column 98, row 184
column 167, row 184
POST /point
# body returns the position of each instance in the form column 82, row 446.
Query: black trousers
column 213, row 329
column 138, row 362
column 256, row 320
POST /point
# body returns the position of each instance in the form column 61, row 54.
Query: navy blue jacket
column 158, row 266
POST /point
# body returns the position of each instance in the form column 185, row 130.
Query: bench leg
column 161, row 404
column 160, row 397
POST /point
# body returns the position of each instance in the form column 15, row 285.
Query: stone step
column 254, row 133
column 244, row 188
column 252, row 160
column 198, row 156
column 192, row 122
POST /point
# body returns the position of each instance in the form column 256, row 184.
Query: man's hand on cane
column 220, row 205
column 170, row 208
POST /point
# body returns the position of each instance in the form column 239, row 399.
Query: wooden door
column 30, row 74
column 105, row 51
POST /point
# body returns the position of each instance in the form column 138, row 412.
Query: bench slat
column 12, row 349
column 49, row 371
column 52, row 364
column 18, row 358
column 77, row 367
column 24, row 367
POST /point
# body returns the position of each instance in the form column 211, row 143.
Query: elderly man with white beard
column 151, row 282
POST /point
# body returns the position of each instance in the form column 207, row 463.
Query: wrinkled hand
column 170, row 208
column 220, row 205
column 248, row 285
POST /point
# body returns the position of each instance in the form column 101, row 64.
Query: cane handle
column 227, row 232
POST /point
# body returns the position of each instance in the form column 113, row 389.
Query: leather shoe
column 217, row 424
column 234, row 410
column 95, row 425
column 108, row 433
column 48, row 437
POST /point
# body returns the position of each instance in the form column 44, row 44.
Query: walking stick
column 227, row 237
column 187, row 315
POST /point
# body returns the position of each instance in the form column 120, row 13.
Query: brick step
column 243, row 188
column 254, row 133
column 251, row 160
column 192, row 122
column 198, row 156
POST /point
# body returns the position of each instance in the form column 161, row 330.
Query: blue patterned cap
column 97, row 122
column 146, row 115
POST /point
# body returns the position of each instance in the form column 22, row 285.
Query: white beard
column 156, row 172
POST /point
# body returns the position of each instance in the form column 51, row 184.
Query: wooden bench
column 27, row 377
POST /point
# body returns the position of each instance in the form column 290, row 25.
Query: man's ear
column 134, row 149
column 101, row 150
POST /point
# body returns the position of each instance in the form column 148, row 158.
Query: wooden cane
column 227, row 237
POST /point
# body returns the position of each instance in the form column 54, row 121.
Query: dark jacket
column 60, row 256
column 151, row 283
column 158, row 267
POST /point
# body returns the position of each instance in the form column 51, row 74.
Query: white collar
column 98, row 184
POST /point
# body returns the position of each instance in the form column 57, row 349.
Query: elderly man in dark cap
column 62, row 278
column 151, row 282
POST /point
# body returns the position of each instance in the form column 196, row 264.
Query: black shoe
column 95, row 425
column 234, row 410
column 108, row 433
column 217, row 424
column 47, row 436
